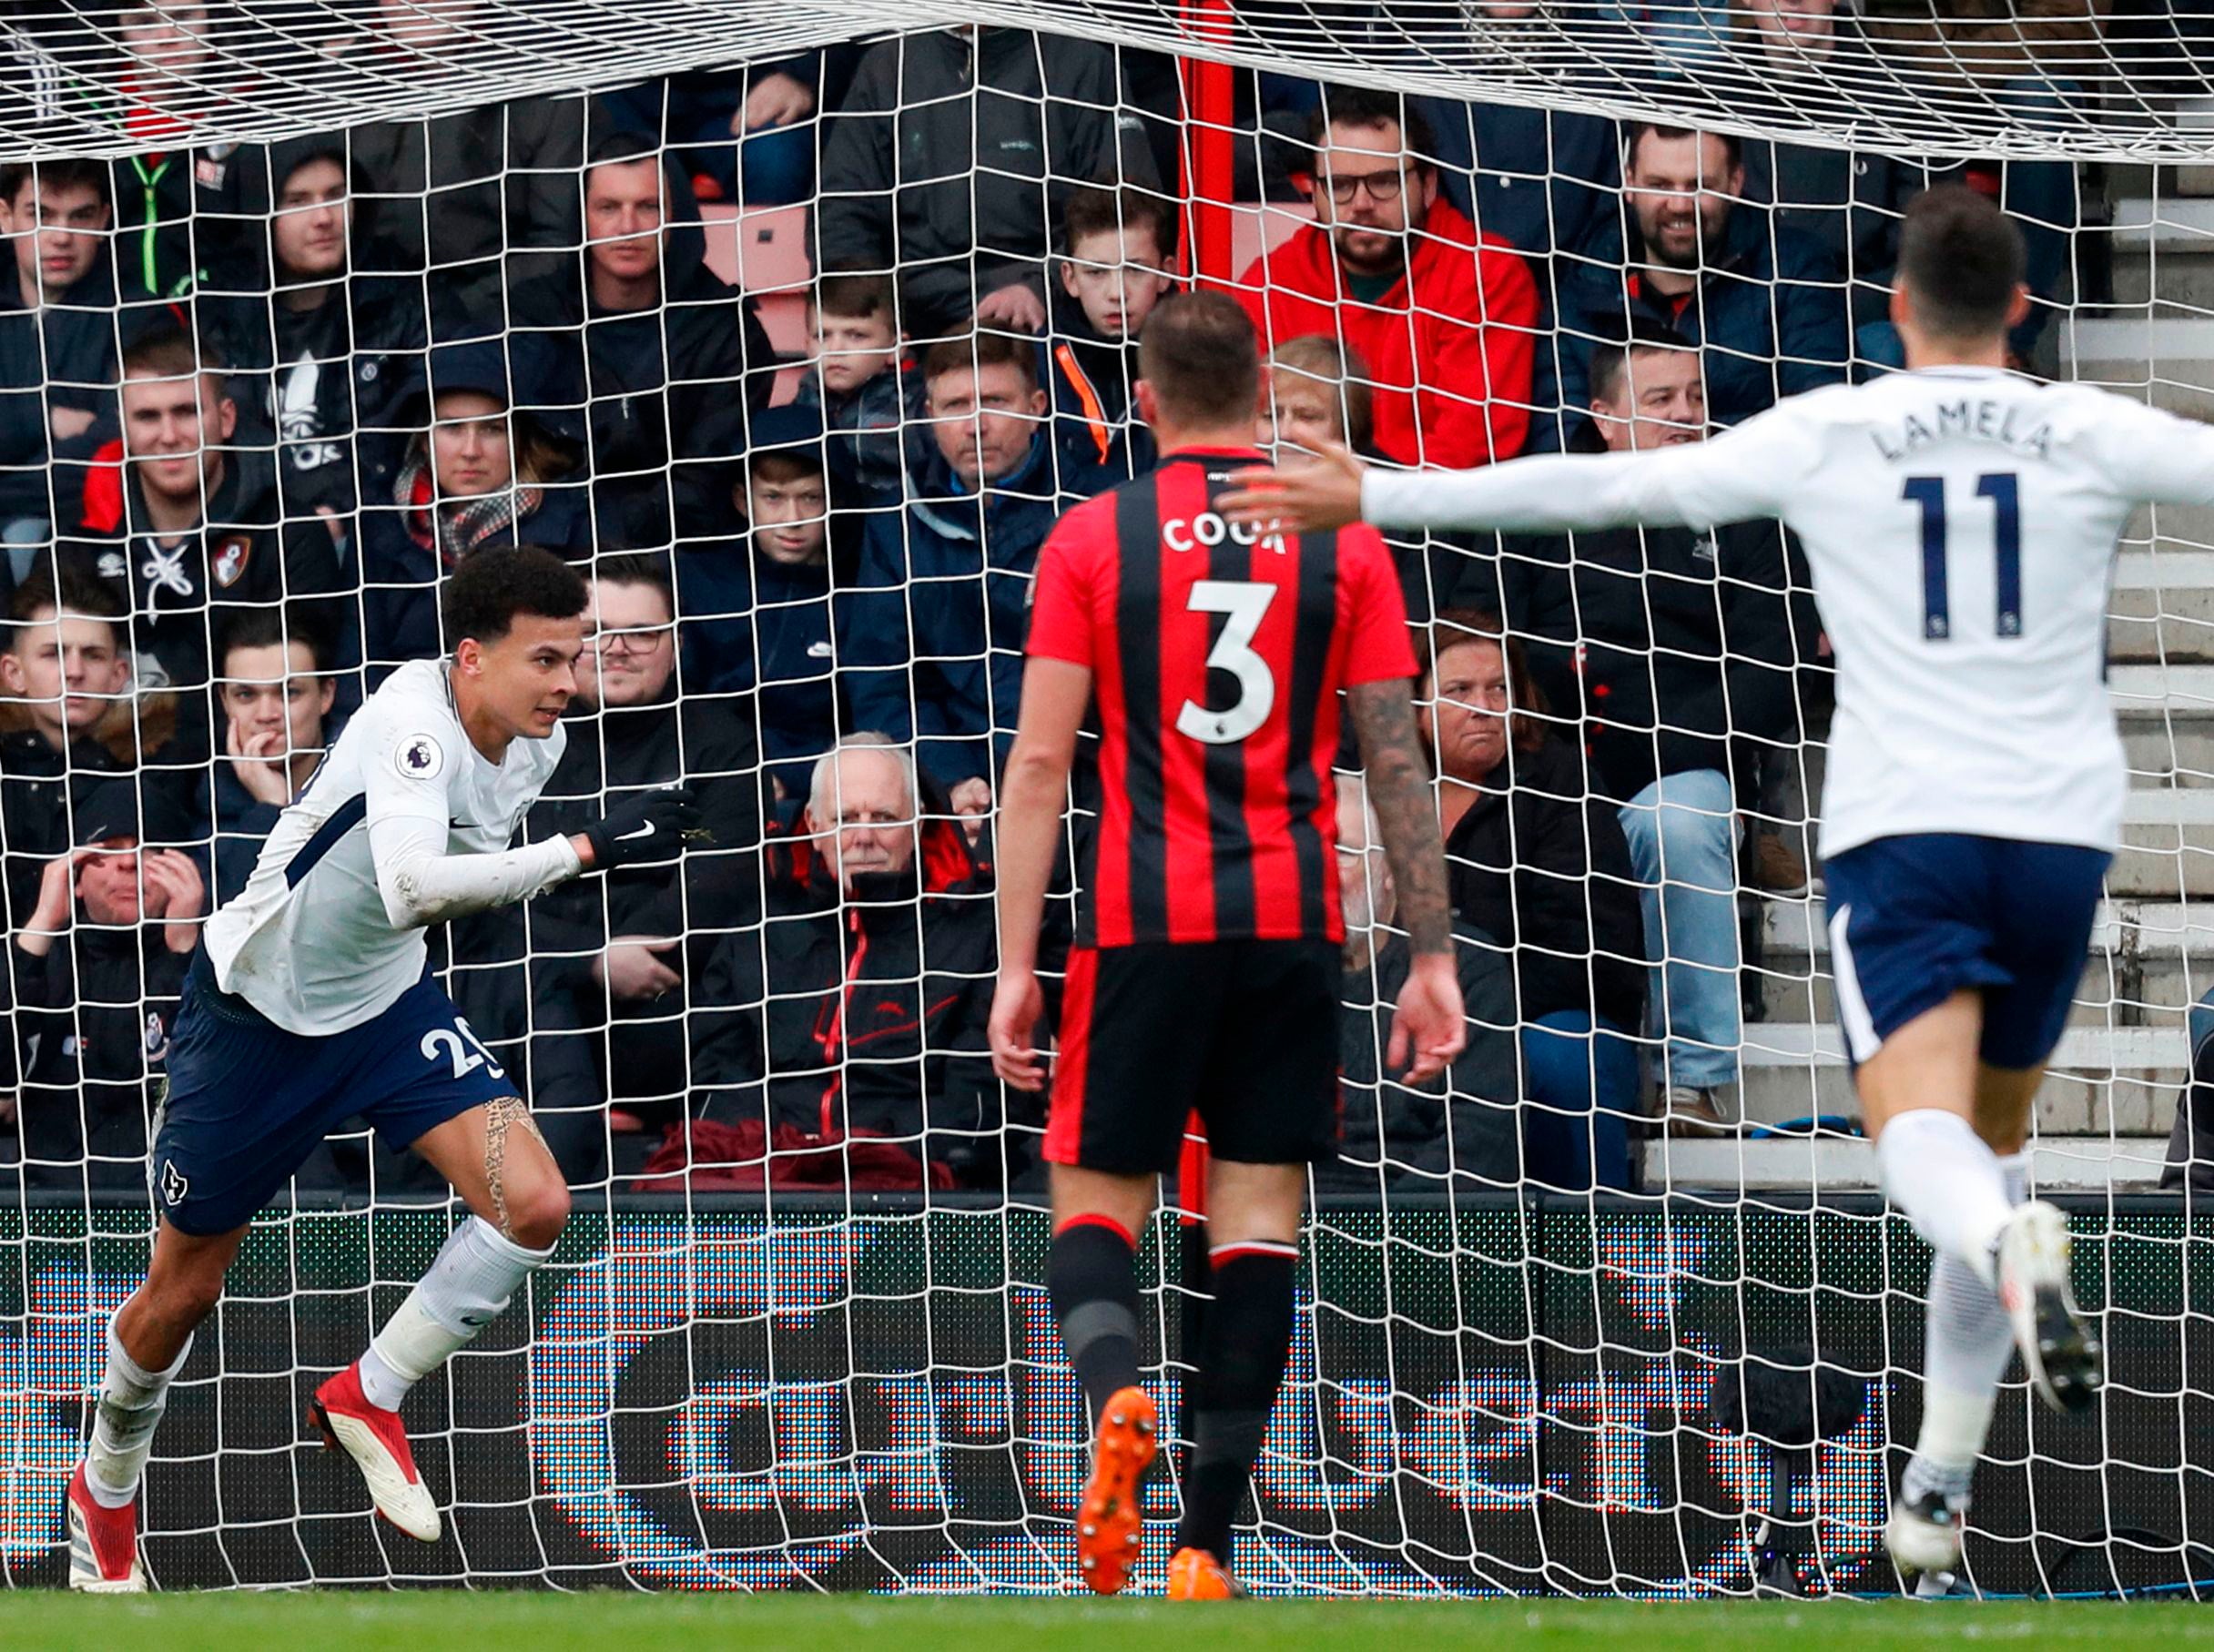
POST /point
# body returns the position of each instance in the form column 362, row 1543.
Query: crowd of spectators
column 255, row 401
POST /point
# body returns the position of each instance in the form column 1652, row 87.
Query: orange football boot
column 1111, row 1520
column 1195, row 1575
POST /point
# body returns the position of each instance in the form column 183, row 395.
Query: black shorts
column 1244, row 1032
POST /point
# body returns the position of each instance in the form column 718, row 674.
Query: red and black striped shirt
column 1216, row 663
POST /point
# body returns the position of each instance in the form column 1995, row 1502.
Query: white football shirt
column 315, row 941
column 1961, row 526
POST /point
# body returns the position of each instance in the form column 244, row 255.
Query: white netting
column 572, row 307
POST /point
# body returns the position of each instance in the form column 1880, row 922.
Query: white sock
column 131, row 1402
column 468, row 1286
column 1940, row 1173
column 1967, row 1342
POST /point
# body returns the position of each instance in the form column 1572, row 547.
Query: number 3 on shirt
column 1244, row 602
column 2004, row 492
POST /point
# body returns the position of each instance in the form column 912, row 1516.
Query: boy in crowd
column 757, row 614
column 65, row 669
column 1118, row 247
column 857, row 386
column 274, row 683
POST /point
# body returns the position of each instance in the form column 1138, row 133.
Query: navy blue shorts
column 248, row 1101
column 1914, row 919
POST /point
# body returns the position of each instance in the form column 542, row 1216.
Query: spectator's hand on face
column 175, row 892
column 971, row 800
column 632, row 968
column 777, row 100
column 56, row 894
column 258, row 760
column 1016, row 308
column 70, row 423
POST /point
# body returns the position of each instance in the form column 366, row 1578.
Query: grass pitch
column 435, row 1621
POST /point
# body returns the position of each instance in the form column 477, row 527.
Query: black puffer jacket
column 671, row 384
column 839, row 1017
column 1463, row 1120
column 1543, row 868
column 92, row 1030
column 951, row 159
column 1678, row 647
column 244, row 554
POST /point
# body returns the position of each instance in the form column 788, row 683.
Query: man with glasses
column 1446, row 318
column 612, row 958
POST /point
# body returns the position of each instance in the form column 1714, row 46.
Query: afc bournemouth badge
column 231, row 555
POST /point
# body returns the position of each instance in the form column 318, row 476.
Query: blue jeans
column 1579, row 1088
column 1683, row 832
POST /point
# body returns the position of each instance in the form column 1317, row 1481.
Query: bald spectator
column 1764, row 304
column 859, row 1010
column 1446, row 318
column 950, row 162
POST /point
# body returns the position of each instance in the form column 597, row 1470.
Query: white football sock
column 468, row 1285
column 1967, row 1343
column 1947, row 1182
column 131, row 1402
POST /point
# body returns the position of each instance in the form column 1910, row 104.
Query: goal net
column 796, row 332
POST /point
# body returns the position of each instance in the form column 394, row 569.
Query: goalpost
column 1501, row 1382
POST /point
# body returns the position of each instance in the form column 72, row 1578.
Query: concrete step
column 2167, row 717
column 2163, row 253
column 2105, row 1080
column 2168, row 361
column 1840, row 1162
column 2162, row 607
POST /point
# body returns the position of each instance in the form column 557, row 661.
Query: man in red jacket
column 1446, row 318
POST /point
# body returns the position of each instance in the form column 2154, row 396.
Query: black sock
column 1248, row 1340
column 1093, row 1278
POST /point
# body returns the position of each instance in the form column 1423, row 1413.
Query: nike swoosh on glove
column 647, row 826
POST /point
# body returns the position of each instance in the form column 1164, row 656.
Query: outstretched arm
column 1737, row 476
column 423, row 885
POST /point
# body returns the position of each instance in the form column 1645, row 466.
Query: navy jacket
column 943, row 607
column 62, row 355
column 1770, row 316
column 1099, row 439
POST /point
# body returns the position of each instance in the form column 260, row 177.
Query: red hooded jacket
column 1452, row 373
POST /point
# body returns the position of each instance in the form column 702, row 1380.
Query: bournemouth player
column 309, row 1005
column 1961, row 522
column 1206, row 971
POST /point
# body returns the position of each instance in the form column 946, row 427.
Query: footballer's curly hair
column 485, row 594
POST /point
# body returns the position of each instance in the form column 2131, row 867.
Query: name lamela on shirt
column 1966, row 417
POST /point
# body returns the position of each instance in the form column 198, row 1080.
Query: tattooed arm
column 1428, row 1026
column 1406, row 813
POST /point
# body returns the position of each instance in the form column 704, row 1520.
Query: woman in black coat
column 1537, row 863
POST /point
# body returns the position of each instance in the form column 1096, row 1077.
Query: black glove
column 650, row 826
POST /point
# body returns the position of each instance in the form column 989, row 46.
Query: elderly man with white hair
column 1461, row 1124
column 859, row 1008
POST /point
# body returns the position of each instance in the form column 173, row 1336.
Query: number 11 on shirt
column 2002, row 489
